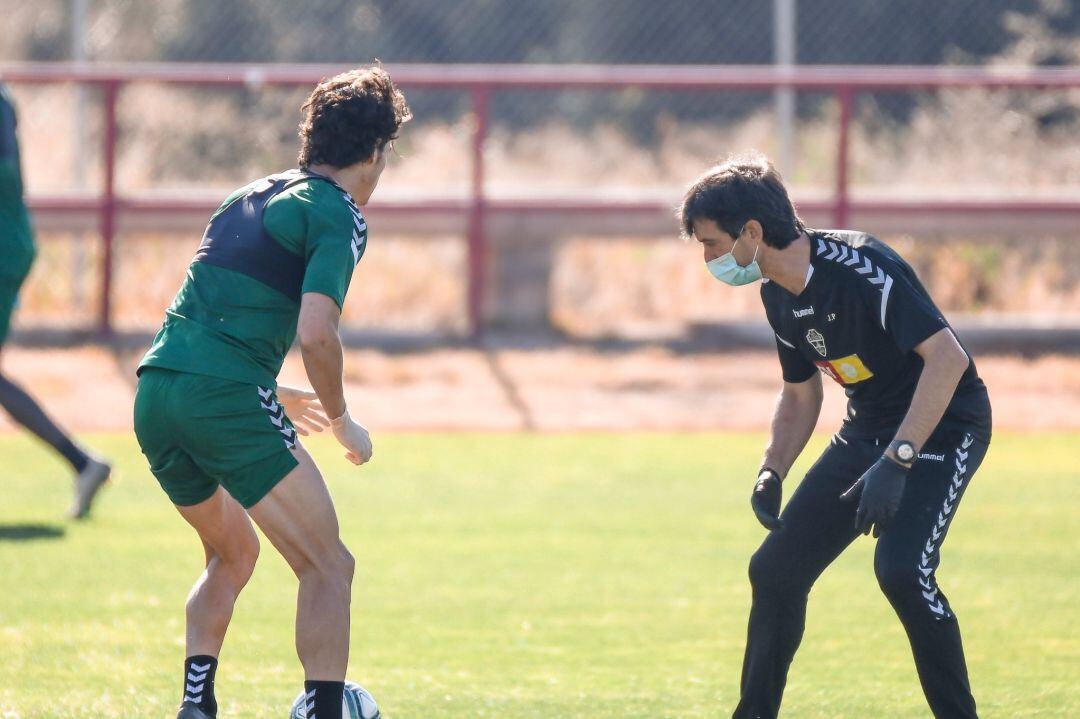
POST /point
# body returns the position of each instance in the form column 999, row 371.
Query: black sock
column 24, row 410
column 199, row 672
column 324, row 699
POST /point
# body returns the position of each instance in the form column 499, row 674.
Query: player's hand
column 766, row 499
column 878, row 491
column 353, row 437
column 303, row 410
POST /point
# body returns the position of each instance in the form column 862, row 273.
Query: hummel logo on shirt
column 804, row 313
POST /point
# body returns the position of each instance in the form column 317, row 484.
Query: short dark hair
column 738, row 190
column 350, row 116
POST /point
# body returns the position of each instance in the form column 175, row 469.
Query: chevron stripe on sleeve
column 863, row 264
column 359, row 233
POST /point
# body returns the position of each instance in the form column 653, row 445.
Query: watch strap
column 895, row 457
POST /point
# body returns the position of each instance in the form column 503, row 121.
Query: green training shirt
column 16, row 235
column 235, row 314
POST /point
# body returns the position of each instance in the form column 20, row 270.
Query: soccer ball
column 356, row 703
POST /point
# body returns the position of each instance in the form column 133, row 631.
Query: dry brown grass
column 957, row 142
column 562, row 390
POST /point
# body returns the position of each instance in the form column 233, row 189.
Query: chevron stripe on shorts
column 276, row 412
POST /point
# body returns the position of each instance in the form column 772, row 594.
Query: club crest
column 817, row 341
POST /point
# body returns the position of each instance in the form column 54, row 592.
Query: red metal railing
column 480, row 81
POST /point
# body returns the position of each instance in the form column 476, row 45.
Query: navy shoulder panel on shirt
column 9, row 144
column 237, row 240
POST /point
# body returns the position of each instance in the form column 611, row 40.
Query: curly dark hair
column 741, row 189
column 350, row 116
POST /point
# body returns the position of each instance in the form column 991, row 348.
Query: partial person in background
column 274, row 265
column 916, row 431
column 16, row 257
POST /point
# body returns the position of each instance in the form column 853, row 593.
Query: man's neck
column 788, row 267
column 334, row 173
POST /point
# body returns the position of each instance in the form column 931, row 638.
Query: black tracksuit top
column 858, row 320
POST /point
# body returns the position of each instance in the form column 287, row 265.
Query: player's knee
column 334, row 569
column 346, row 565
column 767, row 574
column 341, row 573
column 895, row 578
column 777, row 573
column 246, row 556
column 239, row 561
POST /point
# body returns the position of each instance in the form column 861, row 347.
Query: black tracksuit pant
column 818, row 527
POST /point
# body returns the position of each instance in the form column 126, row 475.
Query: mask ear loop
column 737, row 238
column 752, row 259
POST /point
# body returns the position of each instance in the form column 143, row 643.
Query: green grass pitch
column 505, row 576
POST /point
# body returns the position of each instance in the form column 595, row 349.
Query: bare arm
column 320, row 346
column 794, row 418
column 944, row 362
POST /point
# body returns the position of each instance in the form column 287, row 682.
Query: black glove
column 766, row 499
column 879, row 491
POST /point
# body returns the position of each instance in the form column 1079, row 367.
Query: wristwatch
column 903, row 451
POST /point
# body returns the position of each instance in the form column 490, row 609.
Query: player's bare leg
column 91, row 473
column 231, row 548
column 299, row 519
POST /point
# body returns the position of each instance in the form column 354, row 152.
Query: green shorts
column 199, row 432
column 9, row 299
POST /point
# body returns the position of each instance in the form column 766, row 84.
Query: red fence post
column 108, row 207
column 844, row 96
column 477, row 254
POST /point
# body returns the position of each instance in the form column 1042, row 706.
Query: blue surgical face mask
column 728, row 271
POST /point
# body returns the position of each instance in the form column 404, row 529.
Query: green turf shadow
column 29, row 532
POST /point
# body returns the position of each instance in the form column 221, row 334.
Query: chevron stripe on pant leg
column 906, row 560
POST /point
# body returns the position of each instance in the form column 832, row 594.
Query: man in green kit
column 17, row 251
column 274, row 265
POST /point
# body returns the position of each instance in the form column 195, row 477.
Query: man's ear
column 754, row 232
column 374, row 159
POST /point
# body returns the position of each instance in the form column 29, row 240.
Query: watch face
column 905, row 452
